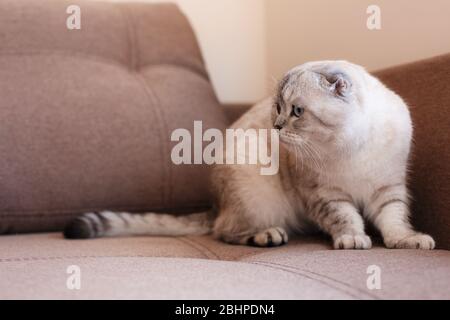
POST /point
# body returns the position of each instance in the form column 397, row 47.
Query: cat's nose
column 279, row 123
column 278, row 127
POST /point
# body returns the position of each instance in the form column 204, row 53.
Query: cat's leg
column 271, row 237
column 254, row 212
column 253, row 209
column 253, row 226
column 232, row 229
column 389, row 211
column 336, row 214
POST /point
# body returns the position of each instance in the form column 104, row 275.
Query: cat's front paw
column 271, row 237
column 415, row 241
column 347, row 241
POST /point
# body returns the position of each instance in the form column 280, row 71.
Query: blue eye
column 297, row 111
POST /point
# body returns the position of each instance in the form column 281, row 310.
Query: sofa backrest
column 87, row 114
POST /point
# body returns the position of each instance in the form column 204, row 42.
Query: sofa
column 86, row 122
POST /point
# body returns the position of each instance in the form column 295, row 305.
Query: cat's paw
column 271, row 237
column 415, row 241
column 347, row 241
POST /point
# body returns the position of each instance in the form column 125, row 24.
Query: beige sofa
column 86, row 117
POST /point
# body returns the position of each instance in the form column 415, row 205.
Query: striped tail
column 116, row 224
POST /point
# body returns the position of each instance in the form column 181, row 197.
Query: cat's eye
column 297, row 111
column 278, row 108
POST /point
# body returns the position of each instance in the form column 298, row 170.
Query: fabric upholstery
column 34, row 266
column 87, row 115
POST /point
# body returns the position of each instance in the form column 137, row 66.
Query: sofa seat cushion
column 34, row 266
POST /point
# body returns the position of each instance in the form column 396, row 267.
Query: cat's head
column 319, row 104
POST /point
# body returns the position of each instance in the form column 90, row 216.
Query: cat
column 343, row 159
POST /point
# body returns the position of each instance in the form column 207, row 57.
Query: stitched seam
column 167, row 190
column 130, row 36
column 191, row 244
column 174, row 64
column 162, row 126
column 27, row 259
column 136, row 46
column 183, row 240
column 194, row 246
column 335, row 280
column 163, row 147
column 324, row 276
column 167, row 193
column 251, row 254
column 215, row 255
column 86, row 56
column 318, row 275
column 98, row 59
column 134, row 64
column 300, row 273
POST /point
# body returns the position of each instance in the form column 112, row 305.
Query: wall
column 233, row 40
column 303, row 30
column 248, row 44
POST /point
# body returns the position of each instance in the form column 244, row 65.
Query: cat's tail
column 112, row 224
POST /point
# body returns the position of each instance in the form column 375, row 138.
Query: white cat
column 345, row 146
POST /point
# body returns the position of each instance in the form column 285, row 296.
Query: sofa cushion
column 87, row 115
column 34, row 266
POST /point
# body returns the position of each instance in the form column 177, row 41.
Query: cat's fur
column 342, row 159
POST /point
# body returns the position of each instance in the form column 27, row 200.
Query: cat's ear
column 339, row 84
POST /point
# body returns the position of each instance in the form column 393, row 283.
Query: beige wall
column 232, row 37
column 303, row 30
column 249, row 43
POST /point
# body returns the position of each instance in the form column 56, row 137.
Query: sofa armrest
column 425, row 87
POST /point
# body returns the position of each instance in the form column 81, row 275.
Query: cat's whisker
column 295, row 145
column 298, row 152
column 311, row 153
column 317, row 157
column 302, row 149
column 295, row 153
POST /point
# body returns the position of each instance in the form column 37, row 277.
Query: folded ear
column 336, row 80
column 339, row 83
